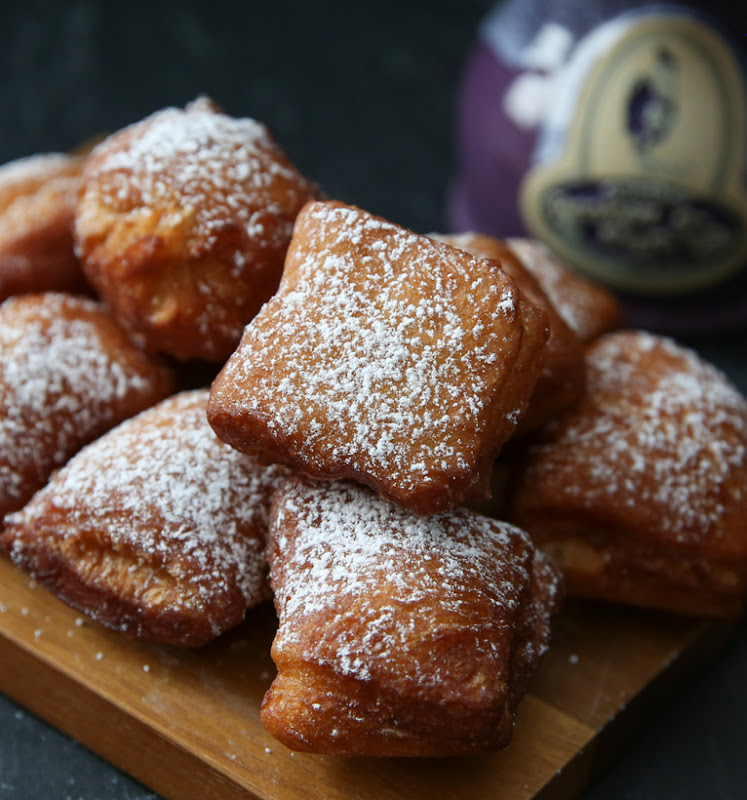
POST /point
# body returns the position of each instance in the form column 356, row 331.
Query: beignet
column 38, row 195
column 183, row 224
column 639, row 493
column 561, row 381
column 385, row 357
column 399, row 634
column 67, row 374
column 156, row 529
column 588, row 308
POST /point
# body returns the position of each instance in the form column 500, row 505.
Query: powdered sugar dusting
column 61, row 383
column 198, row 164
column 381, row 350
column 661, row 430
column 586, row 308
column 161, row 489
column 374, row 581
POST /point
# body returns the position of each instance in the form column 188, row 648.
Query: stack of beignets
column 38, row 196
column 67, row 374
column 399, row 634
column 374, row 386
column 182, row 226
column 407, row 626
column 639, row 492
column 156, row 529
column 384, row 357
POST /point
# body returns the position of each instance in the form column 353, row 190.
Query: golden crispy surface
column 386, row 357
column 639, row 492
column 38, row 195
column 399, row 634
column 67, row 374
column 561, row 381
column 156, row 529
column 588, row 308
column 183, row 224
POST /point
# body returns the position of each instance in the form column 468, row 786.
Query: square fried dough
column 639, row 492
column 400, row 634
column 385, row 357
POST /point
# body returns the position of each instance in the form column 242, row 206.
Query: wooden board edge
column 72, row 707
column 145, row 750
column 611, row 741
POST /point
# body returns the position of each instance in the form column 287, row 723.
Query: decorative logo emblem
column 640, row 178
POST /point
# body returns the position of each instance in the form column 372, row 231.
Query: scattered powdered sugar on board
column 362, row 585
column 382, row 349
column 216, row 170
column 162, row 490
column 667, row 431
column 61, row 383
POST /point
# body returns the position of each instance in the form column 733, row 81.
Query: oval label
column 641, row 185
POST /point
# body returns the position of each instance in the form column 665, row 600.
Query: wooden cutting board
column 186, row 723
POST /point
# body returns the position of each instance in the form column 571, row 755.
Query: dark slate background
column 362, row 97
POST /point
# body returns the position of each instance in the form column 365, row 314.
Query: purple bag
column 616, row 132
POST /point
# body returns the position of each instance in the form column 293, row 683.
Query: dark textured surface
column 362, row 97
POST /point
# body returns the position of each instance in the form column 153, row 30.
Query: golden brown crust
column 399, row 635
column 639, row 491
column 156, row 529
column 611, row 566
column 588, row 308
column 561, row 381
column 67, row 374
column 38, row 195
column 183, row 224
column 384, row 357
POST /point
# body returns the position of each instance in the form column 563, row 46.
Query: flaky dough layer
column 38, row 196
column 156, row 529
column 183, row 224
column 639, row 492
column 399, row 635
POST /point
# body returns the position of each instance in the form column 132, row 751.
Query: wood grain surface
column 186, row 723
